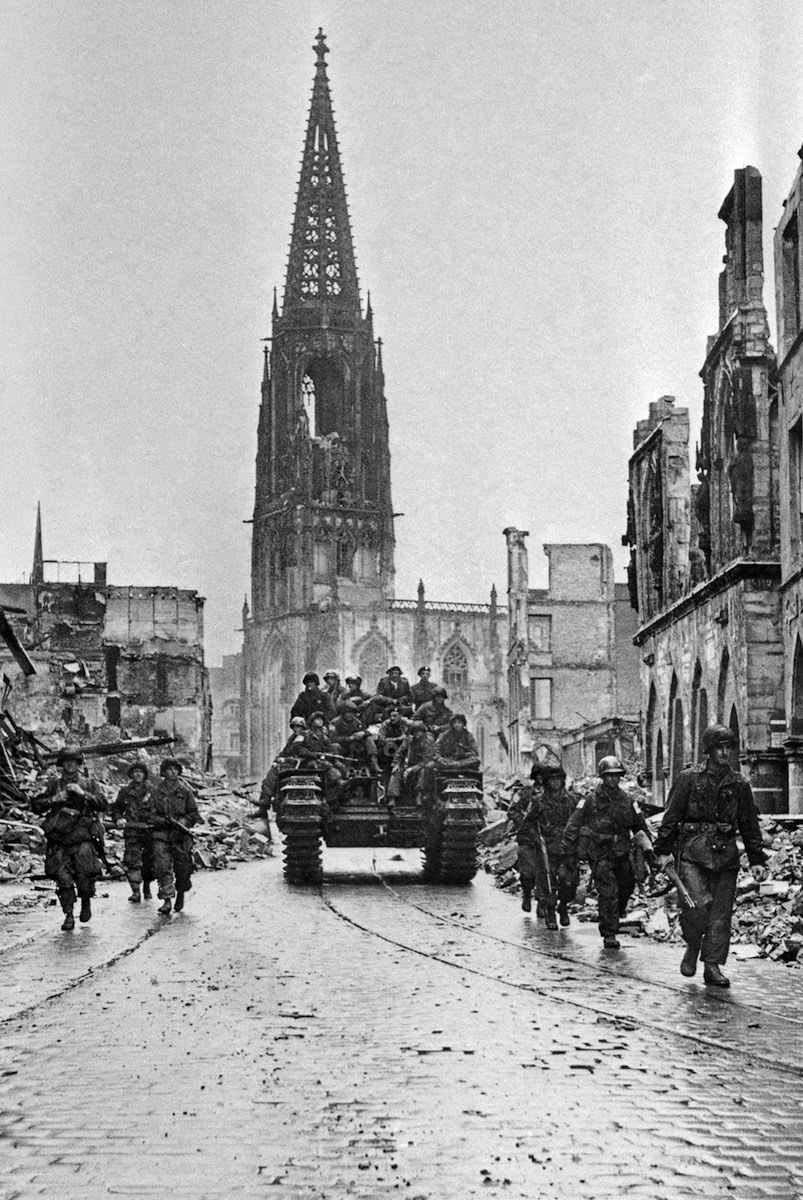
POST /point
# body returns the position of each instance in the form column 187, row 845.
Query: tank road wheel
column 300, row 818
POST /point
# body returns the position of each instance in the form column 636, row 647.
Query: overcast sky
column 534, row 191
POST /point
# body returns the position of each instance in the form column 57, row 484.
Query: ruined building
column 121, row 656
column 322, row 570
column 705, row 562
column 789, row 309
column 572, row 666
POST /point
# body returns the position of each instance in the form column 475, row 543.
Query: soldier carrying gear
column 267, row 793
column 390, row 736
column 606, row 821
column 395, row 687
column 313, row 700
column 353, row 740
column 74, row 834
column 317, row 752
column 333, row 687
column 413, row 774
column 174, row 812
column 708, row 805
column 456, row 748
column 425, row 689
column 539, row 819
column 353, row 694
column 134, row 806
column 435, row 713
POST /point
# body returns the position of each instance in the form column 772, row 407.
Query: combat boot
column 69, row 920
column 551, row 923
column 563, row 913
column 178, row 903
column 146, row 891
column 86, row 910
column 611, row 943
column 713, row 977
column 688, row 964
column 135, row 897
column 164, row 909
column 526, row 902
column 540, row 910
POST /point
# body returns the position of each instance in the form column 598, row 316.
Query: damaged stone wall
column 705, row 558
column 789, row 308
column 105, row 656
column 566, row 650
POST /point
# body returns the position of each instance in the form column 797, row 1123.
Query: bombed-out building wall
column 130, row 658
column 789, row 309
column 705, row 557
column 571, row 663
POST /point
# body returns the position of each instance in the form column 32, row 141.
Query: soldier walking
column 74, row 834
column 606, row 822
column 540, row 819
column 174, row 812
column 134, row 806
column 707, row 806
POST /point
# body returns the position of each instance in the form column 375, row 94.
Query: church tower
column 322, row 540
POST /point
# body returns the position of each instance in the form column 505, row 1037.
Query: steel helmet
column 716, row 735
column 610, row 765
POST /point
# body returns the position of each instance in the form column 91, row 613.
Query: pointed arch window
column 308, row 400
column 455, row 668
column 345, row 558
column 373, row 662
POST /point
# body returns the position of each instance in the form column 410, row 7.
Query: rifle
column 177, row 825
column 684, row 895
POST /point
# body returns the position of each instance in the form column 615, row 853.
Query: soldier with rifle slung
column 174, row 812
column 317, row 752
column 539, row 817
column 708, row 805
column 74, row 834
column 606, row 822
column 134, row 806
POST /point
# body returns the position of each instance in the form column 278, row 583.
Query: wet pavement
column 378, row 1038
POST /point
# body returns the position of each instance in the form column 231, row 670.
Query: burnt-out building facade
column 705, row 562
column 572, row 666
column 107, row 657
column 789, row 310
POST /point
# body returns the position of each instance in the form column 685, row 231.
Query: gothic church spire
column 321, row 272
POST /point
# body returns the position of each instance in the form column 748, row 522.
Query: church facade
column 322, row 569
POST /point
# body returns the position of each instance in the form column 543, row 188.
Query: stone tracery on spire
column 321, row 268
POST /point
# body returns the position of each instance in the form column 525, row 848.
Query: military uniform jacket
column 309, row 702
column 456, row 747
column 537, row 815
column 314, row 744
column 134, row 804
column 704, row 813
column 423, row 691
column 71, row 819
column 174, row 801
column 389, row 737
column 436, row 719
column 601, row 827
column 415, row 751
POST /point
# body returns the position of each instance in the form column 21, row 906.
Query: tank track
column 303, row 862
column 458, row 858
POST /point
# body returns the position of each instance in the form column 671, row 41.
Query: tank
column 445, row 830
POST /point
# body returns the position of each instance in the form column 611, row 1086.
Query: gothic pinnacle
column 321, row 49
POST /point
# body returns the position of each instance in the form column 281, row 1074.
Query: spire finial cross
column 321, row 49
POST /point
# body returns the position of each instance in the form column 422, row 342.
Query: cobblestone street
column 383, row 1038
